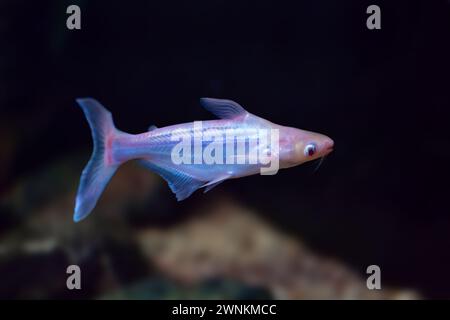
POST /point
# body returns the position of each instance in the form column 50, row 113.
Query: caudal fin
column 100, row 167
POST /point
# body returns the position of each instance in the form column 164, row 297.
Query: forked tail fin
column 101, row 167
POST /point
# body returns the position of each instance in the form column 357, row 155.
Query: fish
column 194, row 155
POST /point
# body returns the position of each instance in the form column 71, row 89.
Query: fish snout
column 328, row 146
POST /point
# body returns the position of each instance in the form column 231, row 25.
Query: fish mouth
column 329, row 145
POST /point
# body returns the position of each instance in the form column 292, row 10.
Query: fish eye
column 310, row 149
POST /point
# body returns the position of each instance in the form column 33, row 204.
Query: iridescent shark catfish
column 155, row 150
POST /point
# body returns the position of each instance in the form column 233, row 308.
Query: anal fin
column 181, row 183
column 214, row 183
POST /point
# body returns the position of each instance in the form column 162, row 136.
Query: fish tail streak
column 101, row 167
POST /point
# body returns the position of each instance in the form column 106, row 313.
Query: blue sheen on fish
column 154, row 149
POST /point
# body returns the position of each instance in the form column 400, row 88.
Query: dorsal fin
column 224, row 109
column 152, row 127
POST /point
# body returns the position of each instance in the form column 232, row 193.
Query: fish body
column 193, row 155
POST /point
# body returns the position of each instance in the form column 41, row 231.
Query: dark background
column 382, row 95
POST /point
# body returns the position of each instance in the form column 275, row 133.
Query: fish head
column 299, row 146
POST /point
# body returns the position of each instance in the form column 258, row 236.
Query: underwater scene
column 224, row 150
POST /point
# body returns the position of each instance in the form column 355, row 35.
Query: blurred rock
column 229, row 241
